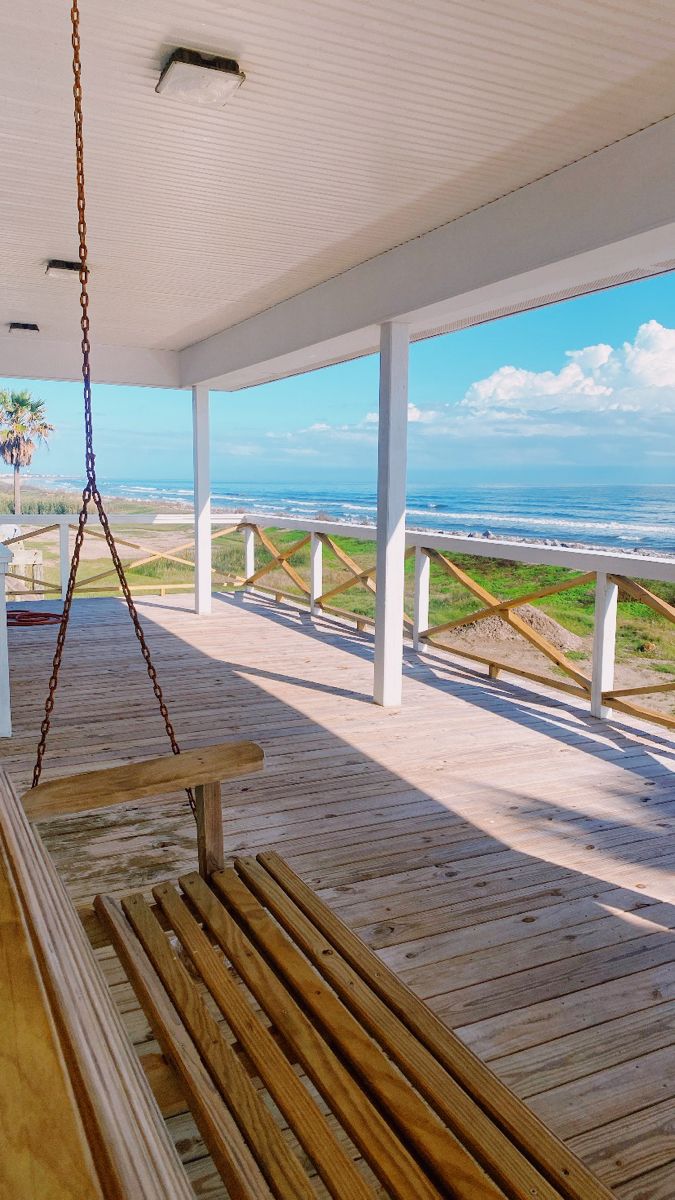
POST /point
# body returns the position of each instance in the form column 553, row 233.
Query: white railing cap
column 610, row 559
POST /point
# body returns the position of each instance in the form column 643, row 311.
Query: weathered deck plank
column 510, row 856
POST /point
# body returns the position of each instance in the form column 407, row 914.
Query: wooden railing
column 104, row 581
column 591, row 687
column 504, row 609
column 318, row 543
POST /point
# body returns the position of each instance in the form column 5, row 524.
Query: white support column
column 421, row 608
column 5, row 704
column 64, row 556
column 315, row 572
column 202, row 492
column 249, row 552
column 604, row 643
column 391, row 476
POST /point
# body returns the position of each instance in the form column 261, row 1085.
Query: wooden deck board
column 509, row 855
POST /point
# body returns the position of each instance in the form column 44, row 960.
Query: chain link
column 90, row 492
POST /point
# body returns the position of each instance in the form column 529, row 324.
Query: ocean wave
column 600, row 515
column 545, row 522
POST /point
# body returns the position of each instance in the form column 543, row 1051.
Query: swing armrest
column 140, row 780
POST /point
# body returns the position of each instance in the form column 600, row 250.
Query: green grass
column 39, row 502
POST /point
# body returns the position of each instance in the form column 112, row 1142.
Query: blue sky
column 580, row 392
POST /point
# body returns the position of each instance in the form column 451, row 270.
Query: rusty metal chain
column 91, row 492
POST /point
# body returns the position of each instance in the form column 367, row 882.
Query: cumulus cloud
column 620, row 394
column 422, row 416
column 650, row 359
column 511, row 387
column 638, row 376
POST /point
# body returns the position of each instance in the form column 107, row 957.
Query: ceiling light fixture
column 61, row 268
column 200, row 78
column 23, row 327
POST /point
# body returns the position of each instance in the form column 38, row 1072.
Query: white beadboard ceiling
column 360, row 126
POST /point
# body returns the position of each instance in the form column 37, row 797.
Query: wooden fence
column 607, row 572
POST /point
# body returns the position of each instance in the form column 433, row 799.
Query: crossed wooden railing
column 577, row 682
column 366, row 578
column 35, row 583
column 311, row 592
column 358, row 576
column 505, row 610
column 99, row 582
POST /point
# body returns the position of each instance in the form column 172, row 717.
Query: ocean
column 623, row 516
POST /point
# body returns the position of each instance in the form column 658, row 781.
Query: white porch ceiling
column 360, row 127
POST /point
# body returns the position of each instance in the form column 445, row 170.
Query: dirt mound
column 493, row 629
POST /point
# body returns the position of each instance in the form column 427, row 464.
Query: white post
column 421, row 609
column 64, row 556
column 5, row 705
column 202, row 493
column 315, row 572
column 249, row 552
column 604, row 643
column 391, row 472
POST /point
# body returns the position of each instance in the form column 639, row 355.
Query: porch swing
column 336, row 1053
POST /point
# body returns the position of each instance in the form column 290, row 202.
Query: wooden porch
column 508, row 855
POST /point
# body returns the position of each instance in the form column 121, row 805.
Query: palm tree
column 22, row 427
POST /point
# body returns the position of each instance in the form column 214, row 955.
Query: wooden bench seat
column 309, row 1068
column 424, row 1114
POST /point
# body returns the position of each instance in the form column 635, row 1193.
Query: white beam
column 391, row 475
column 33, row 356
column 64, row 557
column 421, row 605
column 604, row 642
column 249, row 551
column 202, row 493
column 315, row 572
column 5, row 697
column 556, row 234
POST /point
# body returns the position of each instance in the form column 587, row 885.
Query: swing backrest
column 428, row 1117
column 78, row 1120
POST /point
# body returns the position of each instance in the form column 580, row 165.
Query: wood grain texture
column 134, row 1157
column 140, row 780
column 388, row 1157
column 335, row 1167
column 209, row 818
column 441, row 1151
column 533, row 1138
column 475, row 802
column 218, row 1127
column 456, row 1106
column 280, row 1168
column 44, row 1148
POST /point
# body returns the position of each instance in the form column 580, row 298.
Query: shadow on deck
column 508, row 855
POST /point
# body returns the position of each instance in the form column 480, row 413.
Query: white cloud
column 636, row 377
column 417, row 416
column 650, row 359
column 600, row 394
column 424, row 416
column 591, row 357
